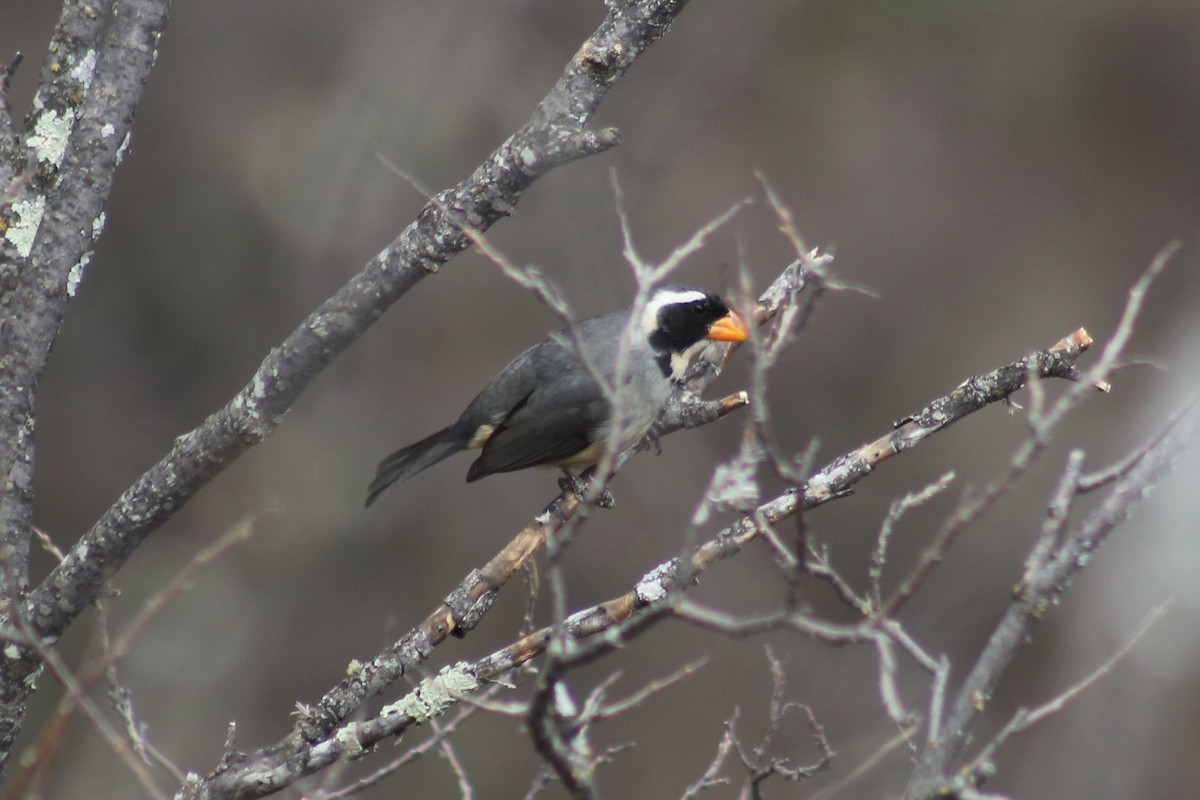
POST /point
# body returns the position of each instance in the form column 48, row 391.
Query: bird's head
column 681, row 321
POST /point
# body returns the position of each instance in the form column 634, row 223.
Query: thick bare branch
column 554, row 135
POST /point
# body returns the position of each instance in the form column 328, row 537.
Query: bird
column 546, row 407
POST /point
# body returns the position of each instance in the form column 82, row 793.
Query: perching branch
column 281, row 764
column 555, row 135
column 653, row 595
column 607, row 624
column 52, row 214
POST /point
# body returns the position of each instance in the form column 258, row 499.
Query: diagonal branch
column 1057, row 556
column 466, row 605
column 935, row 774
column 554, row 135
column 611, row 623
column 308, row 747
column 621, row 616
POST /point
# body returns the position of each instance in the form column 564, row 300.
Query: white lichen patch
column 652, row 588
column 76, row 274
column 22, row 230
column 84, row 69
column 31, row 679
column 48, row 140
column 435, row 695
column 347, row 737
column 123, row 149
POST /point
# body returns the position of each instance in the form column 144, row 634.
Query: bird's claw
column 581, row 486
column 652, row 439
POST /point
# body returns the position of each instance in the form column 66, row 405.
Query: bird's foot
column 651, row 439
column 581, row 485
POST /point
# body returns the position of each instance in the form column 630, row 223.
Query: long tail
column 403, row 464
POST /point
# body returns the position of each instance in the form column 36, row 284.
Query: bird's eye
column 700, row 308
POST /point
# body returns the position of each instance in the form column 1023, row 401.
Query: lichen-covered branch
column 55, row 181
column 605, row 625
column 554, row 135
column 305, row 749
column 51, row 214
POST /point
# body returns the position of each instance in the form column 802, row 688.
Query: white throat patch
column 681, row 362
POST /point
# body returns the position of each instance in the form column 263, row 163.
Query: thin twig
column 1026, row 718
column 113, row 652
column 712, row 776
column 652, row 688
column 896, row 512
column 887, row 748
column 78, row 697
column 936, row 769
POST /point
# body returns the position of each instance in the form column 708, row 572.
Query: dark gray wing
column 556, row 421
column 545, row 406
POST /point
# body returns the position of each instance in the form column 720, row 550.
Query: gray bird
column 546, row 408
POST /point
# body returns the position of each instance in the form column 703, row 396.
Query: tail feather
column 403, row 464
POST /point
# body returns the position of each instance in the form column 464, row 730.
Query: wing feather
column 553, row 423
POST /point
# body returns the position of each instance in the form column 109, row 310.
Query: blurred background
column 998, row 173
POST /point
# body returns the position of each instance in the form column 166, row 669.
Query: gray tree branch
column 319, row 737
column 554, row 135
column 52, row 214
column 596, row 630
column 1057, row 558
column 56, row 179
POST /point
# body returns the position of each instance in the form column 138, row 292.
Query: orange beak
column 729, row 328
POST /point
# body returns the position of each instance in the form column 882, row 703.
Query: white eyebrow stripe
column 666, row 297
